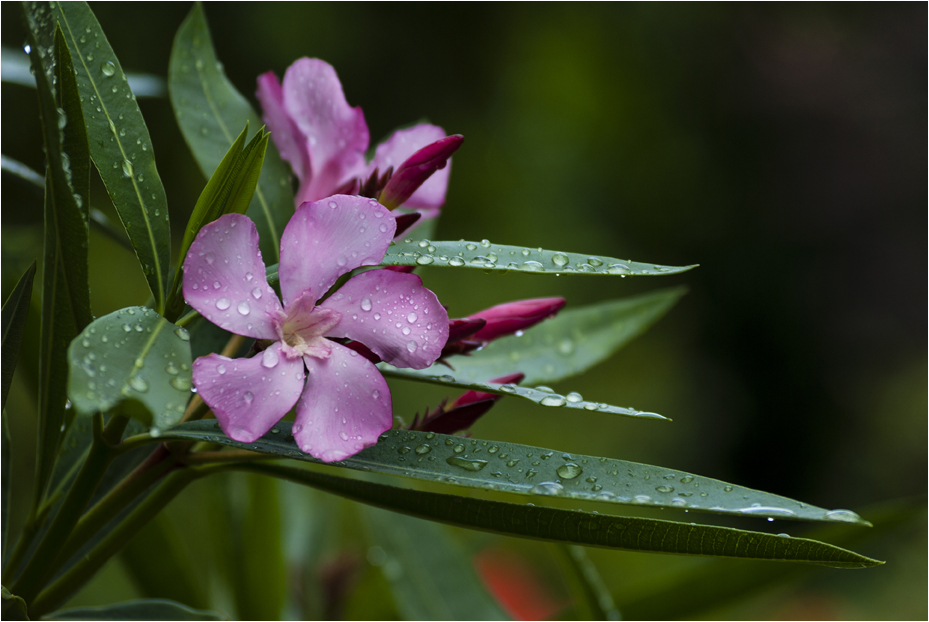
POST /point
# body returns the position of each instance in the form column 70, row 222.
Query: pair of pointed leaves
column 229, row 191
column 574, row 526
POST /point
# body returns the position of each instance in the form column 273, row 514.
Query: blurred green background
column 781, row 147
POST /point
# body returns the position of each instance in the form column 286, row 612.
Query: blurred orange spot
column 516, row 586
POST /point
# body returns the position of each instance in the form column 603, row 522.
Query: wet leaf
column 534, row 471
column 134, row 356
column 14, row 313
column 146, row 609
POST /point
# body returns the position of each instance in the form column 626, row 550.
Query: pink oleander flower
column 324, row 140
column 342, row 402
column 512, row 317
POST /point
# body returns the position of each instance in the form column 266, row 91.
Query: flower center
column 303, row 329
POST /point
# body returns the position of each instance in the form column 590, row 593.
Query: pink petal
column 224, row 278
column 336, row 134
column 394, row 315
column 290, row 141
column 248, row 396
column 328, row 238
column 400, row 146
column 344, row 408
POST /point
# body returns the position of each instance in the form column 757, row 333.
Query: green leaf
column 430, row 576
column 574, row 526
column 566, row 345
column 544, row 396
column 699, row 592
column 146, row 609
column 120, row 144
column 486, row 256
column 229, row 191
column 16, row 71
column 14, row 313
column 533, row 471
column 6, row 481
column 134, row 356
column 160, row 566
column 65, row 292
column 20, row 170
column 14, row 607
column 209, row 109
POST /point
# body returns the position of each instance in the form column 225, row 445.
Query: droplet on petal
column 223, row 303
column 243, row 308
column 270, row 358
column 366, row 304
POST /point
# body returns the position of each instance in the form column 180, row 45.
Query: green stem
column 150, row 471
column 593, row 599
column 76, row 577
column 41, row 565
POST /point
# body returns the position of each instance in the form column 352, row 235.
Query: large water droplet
column 411, row 317
column 243, row 308
column 456, row 261
column 108, row 69
column 466, row 463
column 138, row 383
column 552, row 400
column 223, row 303
column 366, row 304
column 574, row 397
column 569, row 471
column 411, row 346
column 180, row 383
column 844, row 516
column 533, row 266
column 256, row 293
column 560, row 260
column 270, row 358
column 127, row 168
column 249, row 396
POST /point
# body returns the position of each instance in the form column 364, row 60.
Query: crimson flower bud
column 417, row 169
column 511, row 317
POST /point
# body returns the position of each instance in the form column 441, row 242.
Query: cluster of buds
column 466, row 335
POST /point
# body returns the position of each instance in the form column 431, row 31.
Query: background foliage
column 782, row 148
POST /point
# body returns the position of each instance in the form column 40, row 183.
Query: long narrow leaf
column 14, row 313
column 576, row 527
column 544, row 396
column 146, row 609
column 65, row 292
column 431, row 577
column 533, row 471
column 210, row 111
column 484, row 255
column 564, row 346
column 6, row 481
column 121, row 146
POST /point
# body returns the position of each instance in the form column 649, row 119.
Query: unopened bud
column 416, row 169
column 510, row 317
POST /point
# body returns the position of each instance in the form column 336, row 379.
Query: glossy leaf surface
column 211, row 112
column 577, row 527
column 121, row 147
column 564, row 346
column 132, row 355
column 430, row 575
column 543, row 396
column 534, row 471
column 484, row 255
column 14, row 313
column 146, row 609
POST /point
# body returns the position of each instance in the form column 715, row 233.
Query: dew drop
column 411, row 346
column 569, row 471
column 548, row 489
column 466, row 463
column 560, row 260
column 256, row 293
column 366, row 304
column 108, row 69
column 270, row 358
column 139, row 384
column 456, row 261
column 249, row 396
column 127, row 168
column 180, row 383
column 844, row 516
column 411, row 317
column 223, row 303
column 243, row 308
column 574, row 397
column 553, row 400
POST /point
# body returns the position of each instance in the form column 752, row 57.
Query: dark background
column 781, row 147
